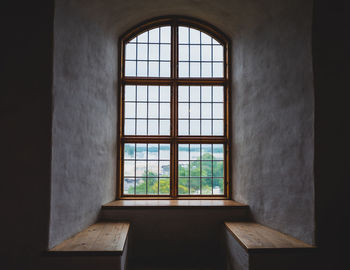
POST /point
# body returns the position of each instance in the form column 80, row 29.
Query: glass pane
column 129, row 186
column 130, row 93
column 130, row 110
column 218, row 168
column 207, row 187
column 141, row 93
column 183, row 127
column 183, row 35
column 183, row 93
column 206, row 53
column 194, row 151
column 218, row 94
column 129, row 151
column 195, row 168
column 165, row 93
column 195, row 127
column 154, row 35
column 165, row 52
column 164, row 69
column 141, row 168
column 184, row 169
column 164, row 127
column 153, row 151
column 153, row 127
column 195, row 53
column 152, row 186
column 153, row 92
column 194, row 36
column 142, row 51
column 218, row 151
column 195, row 69
column 207, row 151
column 183, row 110
column 195, row 186
column 218, row 127
column 206, row 110
column 129, row 127
column 154, row 52
column 218, row 70
column 218, row 110
column 183, row 52
column 142, row 110
column 164, row 151
column 153, row 110
column 165, row 110
column 142, row 68
column 164, row 186
column 141, row 151
column 184, row 151
column 184, row 69
column 141, row 186
column 206, row 70
column 153, row 69
column 130, row 52
column 165, row 34
column 129, row 168
column 206, row 169
column 206, row 127
column 195, row 94
column 195, row 110
column 205, row 39
column 218, row 53
column 164, row 168
column 183, row 186
column 218, row 186
column 130, row 68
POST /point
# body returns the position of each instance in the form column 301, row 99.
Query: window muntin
column 167, row 106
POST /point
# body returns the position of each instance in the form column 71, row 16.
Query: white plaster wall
column 272, row 105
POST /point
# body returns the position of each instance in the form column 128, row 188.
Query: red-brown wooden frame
column 173, row 82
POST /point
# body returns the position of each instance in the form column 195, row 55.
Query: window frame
column 173, row 81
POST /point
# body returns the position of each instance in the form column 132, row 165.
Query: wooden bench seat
column 253, row 246
column 101, row 246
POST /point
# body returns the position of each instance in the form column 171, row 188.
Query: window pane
column 201, row 107
column 129, row 151
column 129, row 186
column 149, row 169
column 150, row 114
column 199, row 55
column 147, row 51
column 129, row 127
column 165, row 34
column 130, row 93
column 199, row 170
column 130, row 52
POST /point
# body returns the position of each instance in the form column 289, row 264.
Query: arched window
column 174, row 126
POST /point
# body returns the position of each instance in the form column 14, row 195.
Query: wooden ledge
column 255, row 237
column 102, row 238
column 173, row 204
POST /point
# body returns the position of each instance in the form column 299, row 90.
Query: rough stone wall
column 272, row 105
column 273, row 110
column 84, row 120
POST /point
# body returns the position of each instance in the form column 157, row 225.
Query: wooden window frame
column 173, row 81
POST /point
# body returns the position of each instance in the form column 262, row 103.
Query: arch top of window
column 174, row 47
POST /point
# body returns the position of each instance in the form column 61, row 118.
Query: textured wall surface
column 273, row 117
column 84, row 120
column 272, row 105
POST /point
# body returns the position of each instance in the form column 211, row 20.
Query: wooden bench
column 256, row 247
column 101, row 246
